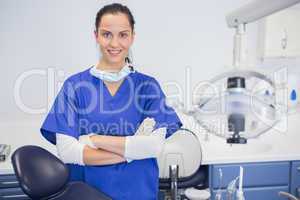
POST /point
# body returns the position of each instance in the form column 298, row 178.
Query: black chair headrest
column 40, row 173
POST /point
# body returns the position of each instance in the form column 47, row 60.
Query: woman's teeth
column 114, row 52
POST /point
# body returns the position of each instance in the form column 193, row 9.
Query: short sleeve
column 63, row 116
column 155, row 107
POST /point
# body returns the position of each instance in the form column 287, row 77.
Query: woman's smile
column 114, row 52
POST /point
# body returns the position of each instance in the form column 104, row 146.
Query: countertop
column 281, row 143
column 20, row 134
column 278, row 144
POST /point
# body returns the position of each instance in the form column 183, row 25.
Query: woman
column 95, row 118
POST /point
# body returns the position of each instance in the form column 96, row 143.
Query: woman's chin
column 116, row 61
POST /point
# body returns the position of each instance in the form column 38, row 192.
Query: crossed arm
column 104, row 150
column 110, row 150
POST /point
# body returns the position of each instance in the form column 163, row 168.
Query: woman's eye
column 123, row 35
column 106, row 35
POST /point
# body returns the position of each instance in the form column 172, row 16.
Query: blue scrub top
column 84, row 105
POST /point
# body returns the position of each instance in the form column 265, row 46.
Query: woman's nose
column 114, row 42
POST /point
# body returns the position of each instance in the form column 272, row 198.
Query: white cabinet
column 279, row 34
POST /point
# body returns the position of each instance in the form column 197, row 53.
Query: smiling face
column 114, row 36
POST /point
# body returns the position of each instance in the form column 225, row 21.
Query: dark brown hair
column 114, row 9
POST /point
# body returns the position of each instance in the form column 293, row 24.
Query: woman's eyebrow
column 124, row 31
column 103, row 30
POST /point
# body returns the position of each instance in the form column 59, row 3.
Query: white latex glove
column 146, row 127
column 85, row 139
column 148, row 145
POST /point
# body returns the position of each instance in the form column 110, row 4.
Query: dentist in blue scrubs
column 106, row 104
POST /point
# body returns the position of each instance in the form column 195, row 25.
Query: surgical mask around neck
column 112, row 76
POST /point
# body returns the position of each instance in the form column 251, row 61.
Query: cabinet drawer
column 261, row 193
column 8, row 181
column 295, row 178
column 255, row 174
column 12, row 194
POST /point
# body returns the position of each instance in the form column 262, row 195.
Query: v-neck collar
column 120, row 90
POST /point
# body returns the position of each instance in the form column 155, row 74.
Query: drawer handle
column 14, row 196
column 9, row 182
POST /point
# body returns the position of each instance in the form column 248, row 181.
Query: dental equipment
column 173, row 170
column 231, row 188
column 240, row 193
column 287, row 195
column 238, row 105
column 245, row 107
column 236, row 121
column 219, row 191
column 4, row 152
column 179, row 166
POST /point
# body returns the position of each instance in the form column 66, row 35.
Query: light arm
column 248, row 13
column 256, row 10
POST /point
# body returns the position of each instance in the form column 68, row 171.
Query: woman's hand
column 146, row 127
column 86, row 139
column 92, row 140
column 145, row 146
column 146, row 143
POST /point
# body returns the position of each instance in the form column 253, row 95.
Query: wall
column 179, row 42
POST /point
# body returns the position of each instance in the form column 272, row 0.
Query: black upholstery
column 43, row 176
column 80, row 191
column 198, row 179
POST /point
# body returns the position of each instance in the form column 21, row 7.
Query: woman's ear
column 133, row 36
column 96, row 35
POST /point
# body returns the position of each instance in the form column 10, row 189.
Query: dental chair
column 43, row 176
column 180, row 164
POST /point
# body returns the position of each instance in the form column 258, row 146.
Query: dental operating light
column 240, row 104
